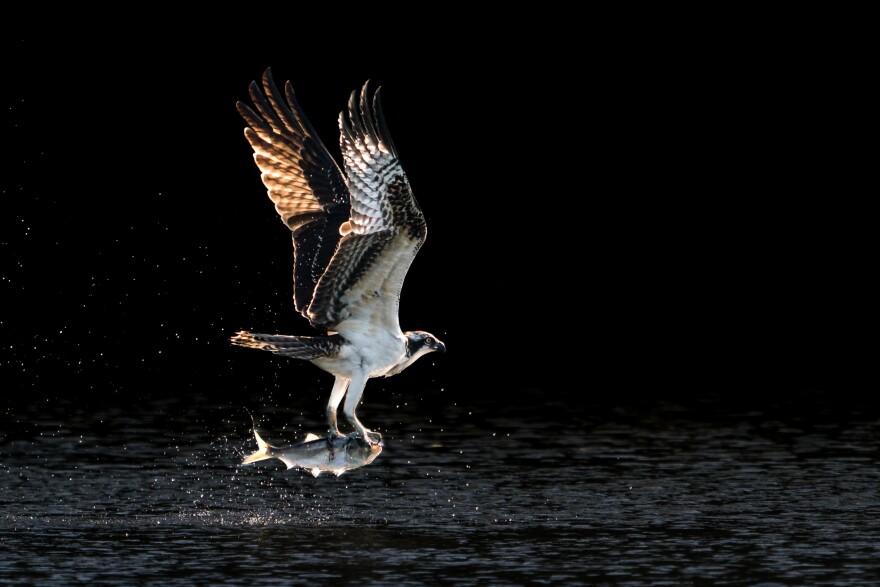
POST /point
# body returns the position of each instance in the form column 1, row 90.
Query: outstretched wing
column 385, row 230
column 302, row 179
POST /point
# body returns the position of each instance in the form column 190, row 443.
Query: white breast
column 372, row 350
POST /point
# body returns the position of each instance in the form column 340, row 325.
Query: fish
column 319, row 455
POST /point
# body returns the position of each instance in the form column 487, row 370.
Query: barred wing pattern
column 303, row 181
column 384, row 232
column 354, row 235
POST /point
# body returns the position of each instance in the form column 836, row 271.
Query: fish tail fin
column 264, row 450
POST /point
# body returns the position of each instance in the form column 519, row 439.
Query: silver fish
column 318, row 455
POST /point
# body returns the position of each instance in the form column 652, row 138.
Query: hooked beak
column 440, row 348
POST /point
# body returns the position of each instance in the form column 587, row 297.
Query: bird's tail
column 297, row 347
column 264, row 451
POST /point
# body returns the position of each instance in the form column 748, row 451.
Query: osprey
column 355, row 233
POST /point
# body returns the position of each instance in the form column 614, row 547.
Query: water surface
column 640, row 493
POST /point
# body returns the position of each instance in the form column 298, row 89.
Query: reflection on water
column 640, row 495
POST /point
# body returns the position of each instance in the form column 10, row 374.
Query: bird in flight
column 355, row 230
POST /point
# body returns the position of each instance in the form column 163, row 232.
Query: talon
column 370, row 437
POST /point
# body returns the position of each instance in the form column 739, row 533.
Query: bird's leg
column 352, row 399
column 339, row 388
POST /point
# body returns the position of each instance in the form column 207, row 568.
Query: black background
column 610, row 215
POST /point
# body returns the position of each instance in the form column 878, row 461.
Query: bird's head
column 419, row 343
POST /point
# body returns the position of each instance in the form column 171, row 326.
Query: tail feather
column 264, row 450
column 297, row 347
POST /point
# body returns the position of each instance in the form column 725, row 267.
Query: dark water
column 643, row 493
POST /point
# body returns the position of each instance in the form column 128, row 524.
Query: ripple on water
column 656, row 495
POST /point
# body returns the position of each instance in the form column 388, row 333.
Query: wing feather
column 302, row 179
column 354, row 234
column 381, row 198
column 387, row 227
